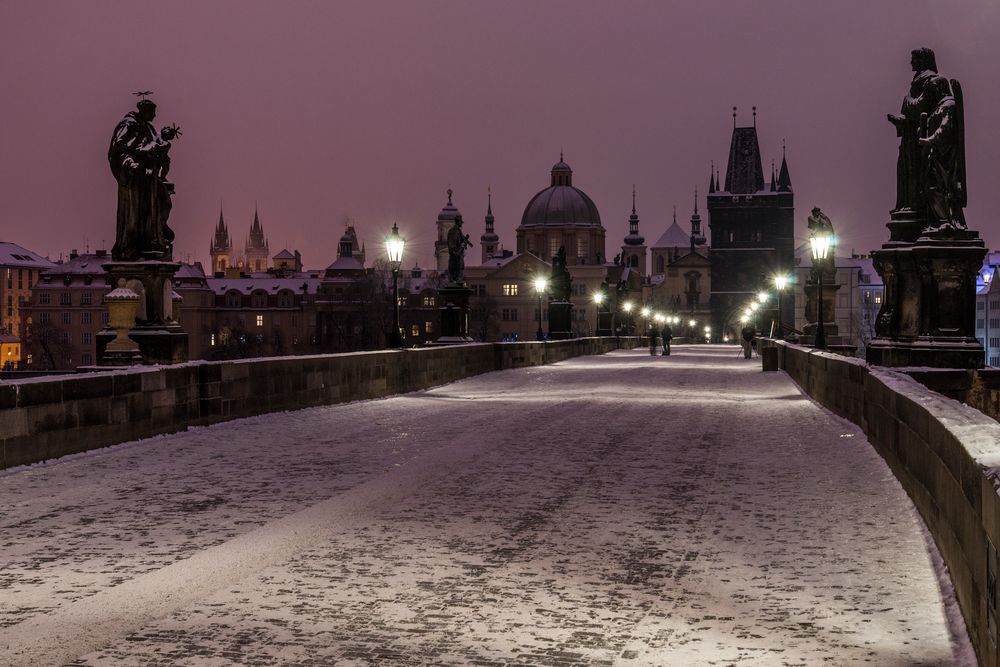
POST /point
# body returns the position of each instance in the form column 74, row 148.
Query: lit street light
column 394, row 249
column 780, row 282
column 541, row 284
column 820, row 246
column 598, row 300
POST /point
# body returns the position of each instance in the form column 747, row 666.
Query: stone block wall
column 945, row 454
column 48, row 417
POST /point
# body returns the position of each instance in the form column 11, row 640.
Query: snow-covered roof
column 269, row 284
column 673, row 237
column 14, row 255
column 284, row 254
column 345, row 264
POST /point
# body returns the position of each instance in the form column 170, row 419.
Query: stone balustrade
column 48, row 417
column 945, row 454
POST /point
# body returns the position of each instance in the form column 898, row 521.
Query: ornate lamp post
column 820, row 246
column 541, row 284
column 627, row 307
column 780, row 282
column 598, row 300
column 394, row 249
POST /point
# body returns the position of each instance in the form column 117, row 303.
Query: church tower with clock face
column 751, row 224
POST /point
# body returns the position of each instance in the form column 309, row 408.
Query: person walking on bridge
column 748, row 334
column 668, row 334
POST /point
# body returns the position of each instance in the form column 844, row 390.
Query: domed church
column 562, row 215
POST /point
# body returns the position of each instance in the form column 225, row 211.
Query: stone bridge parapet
column 48, row 417
column 945, row 454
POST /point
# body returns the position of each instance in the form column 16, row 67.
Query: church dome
column 561, row 204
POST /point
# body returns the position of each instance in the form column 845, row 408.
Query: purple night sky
column 370, row 110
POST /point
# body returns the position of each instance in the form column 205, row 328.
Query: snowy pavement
column 614, row 510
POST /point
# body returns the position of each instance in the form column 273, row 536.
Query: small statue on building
column 457, row 244
column 139, row 160
column 560, row 280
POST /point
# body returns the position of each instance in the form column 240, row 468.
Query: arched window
column 233, row 299
column 259, row 299
column 286, row 299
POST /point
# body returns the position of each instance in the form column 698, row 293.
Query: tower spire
column 633, row 199
column 734, row 118
column 784, row 178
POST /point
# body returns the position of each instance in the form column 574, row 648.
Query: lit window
column 878, row 298
column 428, row 327
column 415, row 330
column 510, row 289
column 429, row 301
column 211, row 340
column 260, row 320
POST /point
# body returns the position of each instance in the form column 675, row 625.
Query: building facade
column 19, row 270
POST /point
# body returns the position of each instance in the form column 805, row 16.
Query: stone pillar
column 830, row 329
column 929, row 307
column 454, row 315
column 161, row 339
column 560, row 320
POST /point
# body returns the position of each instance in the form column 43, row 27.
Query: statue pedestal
column 560, row 320
column 604, row 323
column 830, row 329
column 454, row 315
column 160, row 338
column 928, row 313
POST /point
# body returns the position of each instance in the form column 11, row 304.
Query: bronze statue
column 819, row 223
column 930, row 170
column 457, row 243
column 139, row 159
column 942, row 140
column 560, row 281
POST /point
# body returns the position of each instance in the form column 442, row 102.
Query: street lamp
column 598, row 300
column 780, row 283
column 394, row 249
column 627, row 307
column 540, row 286
column 820, row 246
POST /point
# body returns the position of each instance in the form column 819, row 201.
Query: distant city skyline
column 370, row 111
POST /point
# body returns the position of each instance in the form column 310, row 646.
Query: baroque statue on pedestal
column 139, row 160
column 930, row 170
column 457, row 244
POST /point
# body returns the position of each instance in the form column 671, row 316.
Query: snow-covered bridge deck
column 620, row 509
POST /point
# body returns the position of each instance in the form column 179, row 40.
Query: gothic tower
column 634, row 248
column 221, row 247
column 257, row 252
column 489, row 241
column 752, row 231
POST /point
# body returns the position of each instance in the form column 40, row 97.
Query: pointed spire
column 784, row 179
column 634, row 238
column 489, row 211
column 696, row 237
column 675, row 214
column 696, row 199
column 772, row 177
column 734, row 118
column 711, row 178
column 754, row 116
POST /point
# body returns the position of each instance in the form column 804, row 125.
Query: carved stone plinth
column 929, row 307
column 830, row 329
column 160, row 338
column 454, row 315
column 560, row 320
